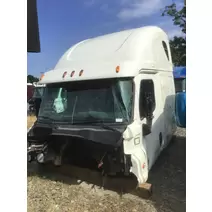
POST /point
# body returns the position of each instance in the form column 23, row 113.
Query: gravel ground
column 168, row 177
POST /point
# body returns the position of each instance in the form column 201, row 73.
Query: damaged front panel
column 86, row 146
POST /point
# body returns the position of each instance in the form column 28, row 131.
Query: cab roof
column 116, row 55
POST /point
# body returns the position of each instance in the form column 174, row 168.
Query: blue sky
column 65, row 22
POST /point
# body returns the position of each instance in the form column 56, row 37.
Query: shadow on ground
column 168, row 177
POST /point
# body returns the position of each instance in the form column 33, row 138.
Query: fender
column 133, row 145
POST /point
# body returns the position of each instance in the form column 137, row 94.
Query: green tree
column 31, row 79
column 177, row 44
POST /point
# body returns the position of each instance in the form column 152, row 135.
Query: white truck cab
column 110, row 99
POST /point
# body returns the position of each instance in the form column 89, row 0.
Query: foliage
column 177, row 44
column 178, row 50
column 31, row 79
column 178, row 16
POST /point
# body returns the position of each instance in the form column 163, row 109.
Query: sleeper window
column 165, row 49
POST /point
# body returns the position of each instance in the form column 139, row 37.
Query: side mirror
column 180, row 109
column 146, row 129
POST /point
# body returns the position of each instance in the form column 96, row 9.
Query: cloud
column 104, row 7
column 132, row 9
column 89, row 3
column 129, row 10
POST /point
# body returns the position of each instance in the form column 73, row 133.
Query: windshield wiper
column 46, row 118
column 92, row 123
column 52, row 121
column 100, row 124
column 105, row 126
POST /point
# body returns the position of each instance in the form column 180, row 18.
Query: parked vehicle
column 108, row 104
column 30, row 90
column 38, row 91
column 180, row 79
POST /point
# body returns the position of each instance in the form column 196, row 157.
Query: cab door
column 151, row 115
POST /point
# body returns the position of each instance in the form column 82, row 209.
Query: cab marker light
column 42, row 76
column 72, row 73
column 64, row 74
column 117, row 69
column 81, row 72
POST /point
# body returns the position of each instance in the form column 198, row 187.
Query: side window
column 147, row 98
column 165, row 49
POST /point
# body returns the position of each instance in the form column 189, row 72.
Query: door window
column 147, row 98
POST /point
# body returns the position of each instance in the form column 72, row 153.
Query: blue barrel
column 181, row 109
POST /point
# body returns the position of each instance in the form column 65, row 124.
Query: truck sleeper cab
column 108, row 104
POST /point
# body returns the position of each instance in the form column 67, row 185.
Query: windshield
column 38, row 92
column 106, row 101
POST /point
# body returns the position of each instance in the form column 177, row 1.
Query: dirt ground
column 60, row 193
column 30, row 121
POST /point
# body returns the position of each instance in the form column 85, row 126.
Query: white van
column 115, row 111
